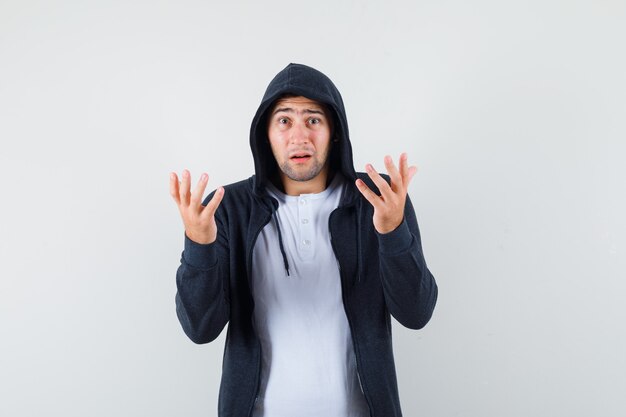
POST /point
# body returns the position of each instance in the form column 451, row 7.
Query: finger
column 174, row 187
column 198, row 192
column 404, row 171
column 367, row 193
column 407, row 171
column 184, row 188
column 397, row 182
column 383, row 186
column 214, row 203
column 412, row 170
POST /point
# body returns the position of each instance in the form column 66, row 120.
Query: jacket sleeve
column 202, row 297
column 410, row 289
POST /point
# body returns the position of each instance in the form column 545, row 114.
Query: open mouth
column 300, row 157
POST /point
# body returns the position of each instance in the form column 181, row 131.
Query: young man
column 306, row 260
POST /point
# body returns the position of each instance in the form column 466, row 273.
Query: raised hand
column 389, row 206
column 199, row 220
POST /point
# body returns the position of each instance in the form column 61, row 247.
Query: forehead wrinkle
column 305, row 111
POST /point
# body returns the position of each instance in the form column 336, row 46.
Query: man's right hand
column 199, row 220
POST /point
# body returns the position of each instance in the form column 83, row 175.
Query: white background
column 513, row 111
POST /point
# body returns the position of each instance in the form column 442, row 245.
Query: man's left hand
column 389, row 206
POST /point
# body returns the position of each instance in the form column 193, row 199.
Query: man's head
column 272, row 161
column 299, row 131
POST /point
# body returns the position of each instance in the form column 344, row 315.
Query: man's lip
column 300, row 160
column 300, row 155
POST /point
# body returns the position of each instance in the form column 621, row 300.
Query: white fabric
column 308, row 364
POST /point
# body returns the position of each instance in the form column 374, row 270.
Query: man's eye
column 283, row 121
column 314, row 121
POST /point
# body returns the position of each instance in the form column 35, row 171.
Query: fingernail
column 387, row 159
column 369, row 167
column 204, row 177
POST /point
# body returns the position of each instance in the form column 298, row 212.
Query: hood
column 300, row 80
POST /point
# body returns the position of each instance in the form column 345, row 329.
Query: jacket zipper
column 249, row 271
column 343, row 299
column 358, row 376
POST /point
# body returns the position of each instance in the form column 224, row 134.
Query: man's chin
column 300, row 175
column 302, row 178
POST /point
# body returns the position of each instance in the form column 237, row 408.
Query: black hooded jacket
column 381, row 274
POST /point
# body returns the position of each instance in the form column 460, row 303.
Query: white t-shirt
column 308, row 363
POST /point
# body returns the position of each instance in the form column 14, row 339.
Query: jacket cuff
column 198, row 255
column 396, row 241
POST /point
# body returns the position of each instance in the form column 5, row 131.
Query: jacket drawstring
column 280, row 243
column 359, row 260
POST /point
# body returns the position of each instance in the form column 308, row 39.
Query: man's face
column 299, row 131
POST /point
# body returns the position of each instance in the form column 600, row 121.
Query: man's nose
column 299, row 133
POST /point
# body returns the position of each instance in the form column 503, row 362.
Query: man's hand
column 389, row 206
column 199, row 220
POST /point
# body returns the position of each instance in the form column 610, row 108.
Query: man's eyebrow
column 283, row 109
column 314, row 111
column 290, row 110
